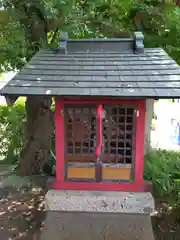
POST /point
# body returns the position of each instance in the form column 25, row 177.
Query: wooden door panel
column 81, row 172
column 116, row 173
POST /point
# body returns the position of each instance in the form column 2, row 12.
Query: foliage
column 168, row 36
column 12, row 41
column 12, row 132
column 24, row 23
column 163, row 169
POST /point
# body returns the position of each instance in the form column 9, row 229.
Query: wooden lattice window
column 80, row 130
column 118, row 131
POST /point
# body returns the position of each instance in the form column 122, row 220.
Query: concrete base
column 97, row 215
column 97, row 226
column 99, row 201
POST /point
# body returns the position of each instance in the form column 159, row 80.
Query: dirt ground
column 166, row 222
column 22, row 216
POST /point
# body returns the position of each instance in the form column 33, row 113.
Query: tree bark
column 40, row 127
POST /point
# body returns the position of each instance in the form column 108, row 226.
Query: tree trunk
column 40, row 127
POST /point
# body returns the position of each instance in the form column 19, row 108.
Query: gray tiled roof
column 120, row 73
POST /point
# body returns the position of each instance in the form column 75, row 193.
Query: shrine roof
column 98, row 67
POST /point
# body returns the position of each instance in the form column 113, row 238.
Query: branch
column 54, row 36
column 108, row 30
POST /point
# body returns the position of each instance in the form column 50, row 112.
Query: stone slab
column 99, row 201
column 98, row 226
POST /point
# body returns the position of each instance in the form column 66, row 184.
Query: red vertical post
column 140, row 137
column 59, row 120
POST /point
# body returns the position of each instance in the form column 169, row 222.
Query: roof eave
column 10, row 100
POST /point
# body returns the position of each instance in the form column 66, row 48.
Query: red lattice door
column 80, row 142
column 82, row 137
column 119, row 142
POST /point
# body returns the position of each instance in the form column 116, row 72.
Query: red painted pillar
column 59, row 120
column 140, row 136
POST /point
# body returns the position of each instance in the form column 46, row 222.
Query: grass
column 162, row 168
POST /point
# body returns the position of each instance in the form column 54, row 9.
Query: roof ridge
column 104, row 44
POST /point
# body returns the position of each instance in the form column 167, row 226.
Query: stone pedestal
column 97, row 215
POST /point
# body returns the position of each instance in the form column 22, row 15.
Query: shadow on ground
column 22, row 215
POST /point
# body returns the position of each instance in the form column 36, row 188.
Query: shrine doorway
column 116, row 162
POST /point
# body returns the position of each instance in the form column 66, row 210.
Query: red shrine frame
column 61, row 183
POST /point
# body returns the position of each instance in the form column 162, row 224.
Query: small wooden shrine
column 100, row 88
column 99, row 144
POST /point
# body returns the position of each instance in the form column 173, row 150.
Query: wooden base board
column 80, row 172
column 92, row 158
column 116, row 173
column 107, row 173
